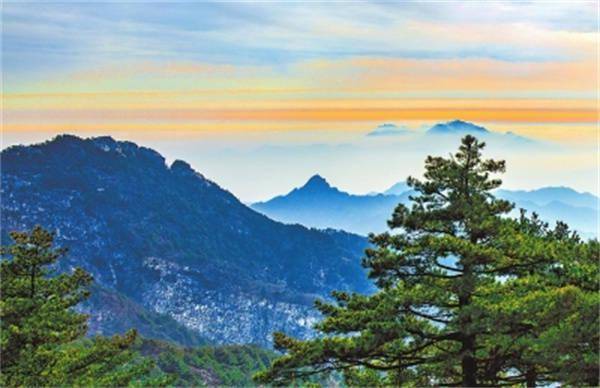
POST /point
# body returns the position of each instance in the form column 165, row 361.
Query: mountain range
column 458, row 128
column 318, row 204
column 167, row 245
column 181, row 259
column 451, row 131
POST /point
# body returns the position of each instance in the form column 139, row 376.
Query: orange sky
column 311, row 92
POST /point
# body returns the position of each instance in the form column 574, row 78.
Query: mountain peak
column 66, row 138
column 181, row 166
column 398, row 189
column 456, row 127
column 59, row 141
column 317, row 182
column 458, row 122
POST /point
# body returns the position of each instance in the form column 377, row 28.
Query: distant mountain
column 582, row 219
column 579, row 210
column 457, row 127
column 452, row 130
column 398, row 189
column 174, row 242
column 318, row 204
column 547, row 195
column 388, row 129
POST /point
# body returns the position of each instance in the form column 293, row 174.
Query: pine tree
column 546, row 313
column 41, row 334
column 446, row 312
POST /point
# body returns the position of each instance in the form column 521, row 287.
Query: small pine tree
column 445, row 313
column 41, row 335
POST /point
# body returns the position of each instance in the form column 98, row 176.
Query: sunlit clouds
column 253, row 75
column 349, row 90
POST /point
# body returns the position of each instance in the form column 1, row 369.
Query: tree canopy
column 41, row 334
column 467, row 296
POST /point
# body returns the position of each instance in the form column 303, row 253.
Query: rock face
column 112, row 312
column 174, row 241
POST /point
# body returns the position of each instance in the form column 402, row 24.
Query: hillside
column 230, row 366
column 112, row 312
column 173, row 241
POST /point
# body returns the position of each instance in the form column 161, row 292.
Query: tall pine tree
column 41, row 335
column 442, row 315
column 545, row 314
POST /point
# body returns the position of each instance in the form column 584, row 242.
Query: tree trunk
column 530, row 377
column 468, row 364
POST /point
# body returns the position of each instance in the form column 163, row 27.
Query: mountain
column 582, row 219
column 318, row 204
column 398, row 189
column 112, row 312
column 457, row 127
column 447, row 133
column 579, row 210
column 174, row 242
column 547, row 195
column 389, row 129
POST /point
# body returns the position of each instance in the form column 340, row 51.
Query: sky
column 259, row 96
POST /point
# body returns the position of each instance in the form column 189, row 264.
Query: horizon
column 301, row 183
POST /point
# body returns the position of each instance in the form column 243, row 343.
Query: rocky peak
column 317, row 182
column 182, row 168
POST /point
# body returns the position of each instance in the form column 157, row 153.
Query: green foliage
column 231, row 365
column 42, row 336
column 546, row 315
column 466, row 295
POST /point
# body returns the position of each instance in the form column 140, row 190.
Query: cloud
column 39, row 36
